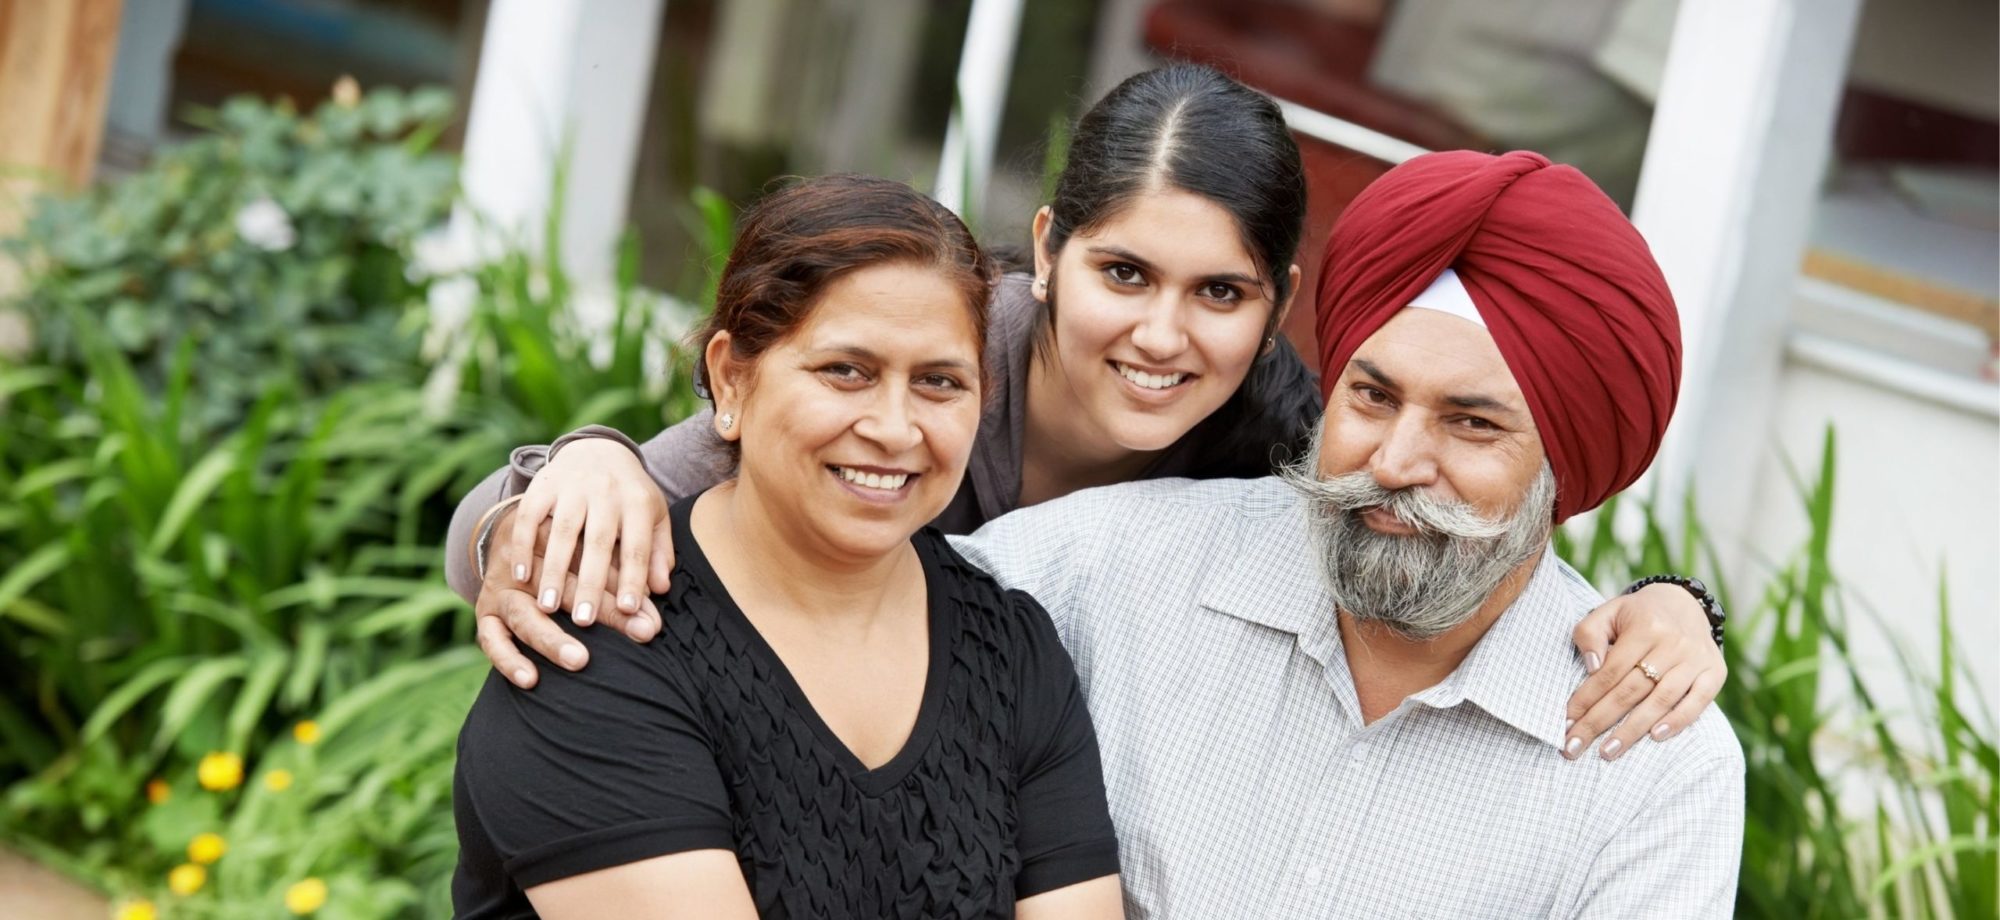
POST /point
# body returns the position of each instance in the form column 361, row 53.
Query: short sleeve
column 592, row 769
column 1066, row 834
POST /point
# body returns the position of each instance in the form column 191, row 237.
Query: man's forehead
column 1430, row 350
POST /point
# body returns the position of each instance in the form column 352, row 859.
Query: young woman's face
column 1159, row 313
column 857, row 426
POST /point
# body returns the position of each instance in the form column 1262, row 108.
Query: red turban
column 1565, row 284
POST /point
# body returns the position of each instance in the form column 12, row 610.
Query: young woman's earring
column 1270, row 344
column 727, row 421
column 1041, row 286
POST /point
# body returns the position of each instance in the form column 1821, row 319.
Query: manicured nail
column 639, row 630
column 628, row 603
column 572, row 656
column 520, row 571
column 521, row 677
column 1660, row 731
column 549, row 599
column 1574, row 745
column 1591, row 662
column 583, row 614
column 1611, row 749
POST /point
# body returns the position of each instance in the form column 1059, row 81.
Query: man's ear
column 1044, row 260
column 726, row 384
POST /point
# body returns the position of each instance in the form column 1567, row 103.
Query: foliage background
column 229, row 463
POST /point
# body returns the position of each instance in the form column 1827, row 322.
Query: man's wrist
column 1711, row 606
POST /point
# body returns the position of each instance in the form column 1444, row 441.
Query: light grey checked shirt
column 1244, row 784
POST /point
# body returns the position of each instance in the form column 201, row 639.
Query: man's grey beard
column 1427, row 583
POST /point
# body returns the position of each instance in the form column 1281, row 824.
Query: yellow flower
column 278, row 780
column 347, row 91
column 137, row 910
column 158, row 792
column 207, row 848
column 186, row 879
column 305, row 897
column 306, row 732
column 220, row 771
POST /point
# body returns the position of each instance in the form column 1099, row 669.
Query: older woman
column 842, row 717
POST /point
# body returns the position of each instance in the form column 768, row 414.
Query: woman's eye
column 1123, row 273
column 1225, row 293
column 944, row 382
column 843, row 373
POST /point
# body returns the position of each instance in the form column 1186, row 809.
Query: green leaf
column 188, row 496
column 254, row 700
column 30, row 571
column 192, row 691
column 115, row 705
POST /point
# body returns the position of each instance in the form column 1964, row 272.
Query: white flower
column 264, row 224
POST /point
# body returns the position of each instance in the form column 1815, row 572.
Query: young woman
column 880, row 731
column 1142, row 345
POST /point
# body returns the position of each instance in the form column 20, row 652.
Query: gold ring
column 1652, row 673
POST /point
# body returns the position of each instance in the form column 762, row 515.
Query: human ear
column 1285, row 309
column 1044, row 260
column 726, row 384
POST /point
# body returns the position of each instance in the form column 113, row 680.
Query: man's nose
column 1407, row 455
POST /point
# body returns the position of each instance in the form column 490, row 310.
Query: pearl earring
column 727, row 421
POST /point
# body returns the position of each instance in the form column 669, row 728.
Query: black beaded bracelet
column 1710, row 605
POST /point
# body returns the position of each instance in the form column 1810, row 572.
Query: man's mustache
column 1428, row 513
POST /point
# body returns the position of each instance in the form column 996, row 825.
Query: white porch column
column 984, row 67
column 558, row 75
column 1739, row 145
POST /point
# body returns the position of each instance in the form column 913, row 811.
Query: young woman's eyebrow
column 1126, row 255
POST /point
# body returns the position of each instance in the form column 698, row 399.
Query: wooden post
column 55, row 68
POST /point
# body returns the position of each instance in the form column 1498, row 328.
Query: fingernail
column 1591, row 662
column 521, row 677
column 520, row 571
column 1568, row 725
column 628, row 603
column 583, row 614
column 572, row 656
column 548, row 599
column 1660, row 731
column 640, row 630
column 1574, row 745
column 1611, row 749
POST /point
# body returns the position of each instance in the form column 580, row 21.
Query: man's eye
column 1123, row 273
column 1372, row 395
column 1479, row 425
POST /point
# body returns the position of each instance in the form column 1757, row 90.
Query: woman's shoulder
column 1005, row 615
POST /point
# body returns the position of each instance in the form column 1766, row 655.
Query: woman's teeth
column 889, row 483
column 1149, row 381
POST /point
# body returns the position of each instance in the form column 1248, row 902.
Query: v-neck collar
column 690, row 559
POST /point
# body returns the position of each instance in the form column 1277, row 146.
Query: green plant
column 277, row 243
column 1928, row 847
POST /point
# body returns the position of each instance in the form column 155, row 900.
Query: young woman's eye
column 1124, row 273
column 1225, row 293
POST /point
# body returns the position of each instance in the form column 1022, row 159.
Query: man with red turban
column 1340, row 692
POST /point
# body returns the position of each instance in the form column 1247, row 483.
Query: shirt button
column 1358, row 752
column 1314, row 876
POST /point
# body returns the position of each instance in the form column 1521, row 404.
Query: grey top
column 1243, row 782
column 1269, row 421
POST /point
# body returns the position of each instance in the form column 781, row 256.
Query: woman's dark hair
column 798, row 240
column 1188, row 127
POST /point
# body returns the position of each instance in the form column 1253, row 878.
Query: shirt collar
column 1521, row 672
column 1525, row 667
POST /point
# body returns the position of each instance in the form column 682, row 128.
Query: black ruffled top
column 700, row 739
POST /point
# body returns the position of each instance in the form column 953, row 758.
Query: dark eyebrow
column 1126, row 255
column 865, row 354
column 1456, row 401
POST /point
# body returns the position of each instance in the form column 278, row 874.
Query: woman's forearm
column 682, row 460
